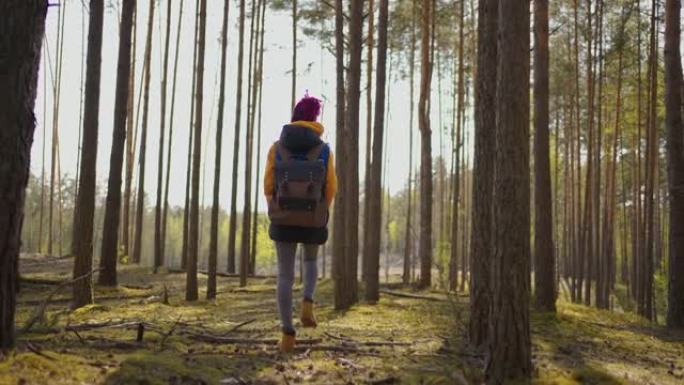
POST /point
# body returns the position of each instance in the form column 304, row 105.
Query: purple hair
column 308, row 109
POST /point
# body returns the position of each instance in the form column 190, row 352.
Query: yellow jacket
column 331, row 177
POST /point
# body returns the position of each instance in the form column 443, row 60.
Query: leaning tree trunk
column 22, row 25
column 213, row 240
column 84, row 211
column 375, row 206
column 425, row 242
column 483, row 173
column 140, row 198
column 191, row 290
column 675, row 153
column 509, row 353
column 544, row 261
column 110, row 233
column 158, row 239
column 232, row 231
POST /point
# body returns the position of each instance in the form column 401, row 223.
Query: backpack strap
column 282, row 153
column 325, row 154
column 315, row 152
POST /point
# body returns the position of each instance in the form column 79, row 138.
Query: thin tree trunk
column 213, row 241
column 171, row 123
column 425, row 243
column 544, row 259
column 22, row 27
column 191, row 290
column 236, row 146
column 110, row 233
column 140, row 203
column 131, row 127
column 367, row 234
column 84, row 210
column 158, row 246
column 295, row 17
column 375, row 213
column 408, row 244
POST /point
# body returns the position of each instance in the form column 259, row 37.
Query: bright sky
column 316, row 73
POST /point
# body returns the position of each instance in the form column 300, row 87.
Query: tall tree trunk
column 140, row 198
column 408, row 244
column 110, row 233
column 481, row 253
column 367, row 259
column 84, row 210
column 509, row 355
column 375, row 213
column 295, row 17
column 193, row 236
column 171, row 123
column 341, row 280
column 22, row 26
column 353, row 95
column 131, row 127
column 232, row 231
column 158, row 245
column 213, row 240
column 675, row 153
column 188, row 171
column 425, row 242
column 544, row 259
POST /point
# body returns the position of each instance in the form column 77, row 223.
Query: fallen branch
column 238, row 326
column 42, row 281
column 349, row 341
column 244, row 341
column 40, row 313
column 37, row 351
column 32, row 302
column 413, row 296
column 224, row 275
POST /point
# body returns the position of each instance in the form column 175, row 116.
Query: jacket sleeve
column 269, row 173
column 331, row 180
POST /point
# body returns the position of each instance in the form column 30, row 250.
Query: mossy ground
column 578, row 345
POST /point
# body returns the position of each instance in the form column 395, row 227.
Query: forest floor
column 232, row 340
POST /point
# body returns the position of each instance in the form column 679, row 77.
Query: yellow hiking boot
column 308, row 318
column 287, row 343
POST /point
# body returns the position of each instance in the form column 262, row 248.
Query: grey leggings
column 287, row 253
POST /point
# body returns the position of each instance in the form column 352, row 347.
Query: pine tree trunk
column 140, row 198
column 232, row 231
column 483, row 173
column 408, row 244
column 509, row 351
column 213, row 240
column 110, row 233
column 191, row 290
column 130, row 147
column 544, row 264
column 375, row 203
column 158, row 245
column 675, row 153
column 84, row 210
column 22, row 26
column 353, row 95
column 171, row 123
column 341, row 280
column 367, row 259
column 425, row 242
column 295, row 16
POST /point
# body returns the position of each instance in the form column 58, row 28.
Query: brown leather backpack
column 299, row 198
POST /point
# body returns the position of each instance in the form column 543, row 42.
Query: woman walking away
column 300, row 184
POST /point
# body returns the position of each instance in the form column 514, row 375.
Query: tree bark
column 22, row 26
column 509, row 350
column 483, row 172
column 425, row 242
column 375, row 218
column 191, row 290
column 140, row 198
column 232, row 231
column 84, row 210
column 675, row 153
column 544, row 259
column 408, row 244
column 110, row 233
column 213, row 240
